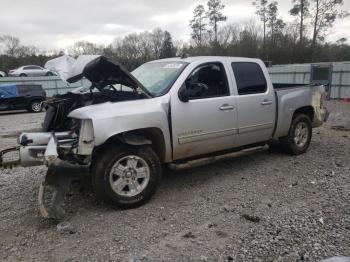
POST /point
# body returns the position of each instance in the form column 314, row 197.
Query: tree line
column 269, row 37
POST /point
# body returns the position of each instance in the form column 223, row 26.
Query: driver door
column 208, row 121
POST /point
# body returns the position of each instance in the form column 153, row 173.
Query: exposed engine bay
column 58, row 108
column 110, row 82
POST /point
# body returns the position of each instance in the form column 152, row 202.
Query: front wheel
column 126, row 176
column 35, row 106
column 299, row 137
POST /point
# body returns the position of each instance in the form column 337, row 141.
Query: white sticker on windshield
column 173, row 66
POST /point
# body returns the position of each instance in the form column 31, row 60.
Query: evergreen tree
column 301, row 9
column 215, row 15
column 198, row 24
column 167, row 49
column 261, row 11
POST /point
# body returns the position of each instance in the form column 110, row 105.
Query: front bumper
column 40, row 148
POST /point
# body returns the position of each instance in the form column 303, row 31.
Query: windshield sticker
column 173, row 66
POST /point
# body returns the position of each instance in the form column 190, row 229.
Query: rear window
column 250, row 78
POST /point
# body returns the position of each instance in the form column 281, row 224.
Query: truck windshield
column 158, row 77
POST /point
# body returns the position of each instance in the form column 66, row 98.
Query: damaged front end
column 65, row 144
column 67, row 156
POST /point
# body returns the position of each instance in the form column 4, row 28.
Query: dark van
column 14, row 97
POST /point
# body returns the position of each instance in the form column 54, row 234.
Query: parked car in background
column 2, row 74
column 30, row 70
column 14, row 97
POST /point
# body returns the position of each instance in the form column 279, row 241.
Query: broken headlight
column 75, row 126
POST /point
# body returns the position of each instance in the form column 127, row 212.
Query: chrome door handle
column 266, row 102
column 226, row 107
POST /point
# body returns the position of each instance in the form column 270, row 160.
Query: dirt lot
column 262, row 207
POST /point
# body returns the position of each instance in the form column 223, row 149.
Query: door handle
column 266, row 102
column 226, row 107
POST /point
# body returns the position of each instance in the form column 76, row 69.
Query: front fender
column 104, row 130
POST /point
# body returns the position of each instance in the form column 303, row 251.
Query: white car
column 30, row 70
column 2, row 74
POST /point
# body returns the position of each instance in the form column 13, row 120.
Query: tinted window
column 250, row 78
column 210, row 80
column 23, row 90
column 34, row 90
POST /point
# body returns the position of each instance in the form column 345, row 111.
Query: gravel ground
column 263, row 207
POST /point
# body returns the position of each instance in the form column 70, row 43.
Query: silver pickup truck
column 127, row 126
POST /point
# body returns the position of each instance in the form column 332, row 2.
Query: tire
column 49, row 74
column 299, row 137
column 36, row 106
column 114, row 187
column 22, row 75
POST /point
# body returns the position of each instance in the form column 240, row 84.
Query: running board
column 216, row 158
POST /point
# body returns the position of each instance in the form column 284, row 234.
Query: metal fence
column 51, row 84
column 337, row 78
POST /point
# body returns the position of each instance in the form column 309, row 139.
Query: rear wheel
column 299, row 137
column 22, row 75
column 36, row 106
column 126, row 176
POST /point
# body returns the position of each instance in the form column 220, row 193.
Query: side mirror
column 194, row 90
column 184, row 93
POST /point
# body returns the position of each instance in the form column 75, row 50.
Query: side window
column 208, row 80
column 26, row 68
column 250, row 78
column 36, row 67
column 36, row 89
column 23, row 90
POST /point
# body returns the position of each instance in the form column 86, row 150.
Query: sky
column 58, row 24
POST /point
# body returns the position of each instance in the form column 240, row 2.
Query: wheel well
column 307, row 110
column 147, row 136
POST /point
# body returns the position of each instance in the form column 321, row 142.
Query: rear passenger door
column 256, row 103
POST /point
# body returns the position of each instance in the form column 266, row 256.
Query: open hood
column 98, row 69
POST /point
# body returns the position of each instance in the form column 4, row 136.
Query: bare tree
column 198, row 24
column 157, row 38
column 84, row 48
column 228, row 35
column 324, row 13
column 215, row 15
column 10, row 43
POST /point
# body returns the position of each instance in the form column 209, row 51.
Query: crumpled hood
column 96, row 68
